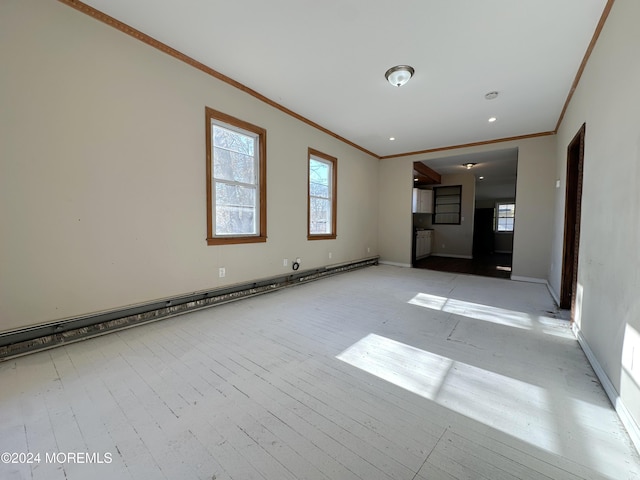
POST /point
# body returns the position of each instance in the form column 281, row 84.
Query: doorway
column 572, row 211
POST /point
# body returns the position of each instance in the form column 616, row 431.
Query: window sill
column 321, row 237
column 235, row 240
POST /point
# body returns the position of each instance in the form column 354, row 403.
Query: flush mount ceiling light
column 491, row 95
column 492, row 119
column 399, row 75
column 469, row 165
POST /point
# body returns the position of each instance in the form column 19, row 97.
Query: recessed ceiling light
column 392, row 138
column 492, row 119
column 491, row 95
column 469, row 165
column 481, row 178
column 415, row 179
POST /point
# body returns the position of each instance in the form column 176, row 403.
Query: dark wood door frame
column 572, row 212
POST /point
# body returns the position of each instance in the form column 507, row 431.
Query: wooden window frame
column 212, row 116
column 334, row 195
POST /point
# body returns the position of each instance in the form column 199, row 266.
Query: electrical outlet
column 368, row 250
column 222, row 272
column 330, row 254
column 285, row 262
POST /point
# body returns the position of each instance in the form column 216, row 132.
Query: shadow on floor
column 488, row 265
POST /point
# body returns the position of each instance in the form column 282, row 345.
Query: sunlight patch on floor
column 473, row 310
column 512, row 406
column 488, row 313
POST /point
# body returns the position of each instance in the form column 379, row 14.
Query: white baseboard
column 625, row 416
column 395, row 264
column 528, row 279
column 451, row 256
column 555, row 296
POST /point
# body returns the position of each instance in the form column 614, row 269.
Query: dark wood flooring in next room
column 488, row 265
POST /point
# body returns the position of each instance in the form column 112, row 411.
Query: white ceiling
column 498, row 168
column 326, row 59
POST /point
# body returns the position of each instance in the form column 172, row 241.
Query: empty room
column 219, row 222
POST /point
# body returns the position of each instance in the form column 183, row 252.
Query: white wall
column 395, row 190
column 457, row 240
column 534, row 200
column 535, row 190
column 607, row 99
column 102, row 185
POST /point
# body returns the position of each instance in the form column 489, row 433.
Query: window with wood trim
column 447, row 203
column 322, row 206
column 236, row 180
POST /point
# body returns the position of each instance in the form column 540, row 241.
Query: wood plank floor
column 487, row 265
column 381, row 373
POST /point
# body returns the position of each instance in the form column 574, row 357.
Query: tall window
column 322, row 196
column 505, row 217
column 236, row 180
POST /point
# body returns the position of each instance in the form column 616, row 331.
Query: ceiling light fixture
column 392, row 138
column 492, row 119
column 469, row 165
column 491, row 95
column 481, row 178
column 399, row 75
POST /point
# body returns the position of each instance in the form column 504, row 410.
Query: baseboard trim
column 27, row 340
column 554, row 295
column 623, row 413
column 395, row 264
column 468, row 257
column 518, row 278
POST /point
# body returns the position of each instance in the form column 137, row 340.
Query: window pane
column 319, row 172
column 235, row 209
column 506, row 210
column 229, row 194
column 232, row 220
column 234, row 141
column 318, row 190
column 320, row 216
column 233, row 166
column 505, row 224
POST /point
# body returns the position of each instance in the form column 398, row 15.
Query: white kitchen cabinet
column 422, row 201
column 423, row 243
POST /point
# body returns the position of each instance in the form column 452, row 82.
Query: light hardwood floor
column 381, row 373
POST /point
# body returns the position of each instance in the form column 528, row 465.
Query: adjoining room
column 476, row 193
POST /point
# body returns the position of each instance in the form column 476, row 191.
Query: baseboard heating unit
column 41, row 337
